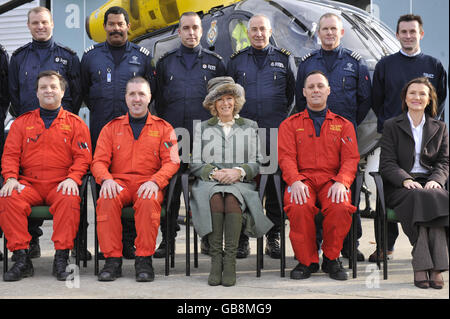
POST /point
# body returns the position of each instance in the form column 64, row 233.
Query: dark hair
column 431, row 108
column 189, row 14
column 410, row 17
column 116, row 10
column 43, row 74
column 315, row 72
column 137, row 79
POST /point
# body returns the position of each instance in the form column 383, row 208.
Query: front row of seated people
column 48, row 151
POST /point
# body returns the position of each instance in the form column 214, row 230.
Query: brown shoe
column 373, row 257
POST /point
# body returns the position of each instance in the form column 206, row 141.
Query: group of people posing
column 133, row 154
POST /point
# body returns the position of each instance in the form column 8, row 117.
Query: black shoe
column 313, row 267
column 243, row 249
column 22, row 268
column 300, row 272
column 334, row 268
column 144, row 269
column 34, row 250
column 204, row 247
column 111, row 270
column 85, row 254
column 128, row 250
column 273, row 246
column 160, row 252
column 60, row 264
column 359, row 255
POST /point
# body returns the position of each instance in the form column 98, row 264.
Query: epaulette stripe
column 306, row 57
column 89, row 49
column 356, row 56
column 238, row 52
column 285, row 52
column 145, row 51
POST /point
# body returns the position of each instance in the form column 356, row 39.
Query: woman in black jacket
column 414, row 164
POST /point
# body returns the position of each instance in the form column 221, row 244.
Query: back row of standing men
column 181, row 76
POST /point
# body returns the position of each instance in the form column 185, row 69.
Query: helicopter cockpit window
column 165, row 45
column 238, row 34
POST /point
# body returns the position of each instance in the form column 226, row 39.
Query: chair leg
column 277, row 182
column 188, row 243
column 5, row 255
column 258, row 256
column 195, row 249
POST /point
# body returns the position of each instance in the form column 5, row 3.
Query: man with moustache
column 182, row 79
column 105, row 69
column 136, row 156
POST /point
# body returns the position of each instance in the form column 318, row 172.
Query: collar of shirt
column 417, row 132
column 421, row 124
column 226, row 126
column 410, row 55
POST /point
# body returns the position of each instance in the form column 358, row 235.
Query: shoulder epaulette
column 89, row 49
column 213, row 53
column 167, row 53
column 307, row 56
column 67, row 49
column 284, row 51
column 355, row 55
column 145, row 51
column 235, row 54
column 21, row 48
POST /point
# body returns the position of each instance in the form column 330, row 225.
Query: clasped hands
column 410, row 184
column 300, row 193
column 227, row 175
column 110, row 189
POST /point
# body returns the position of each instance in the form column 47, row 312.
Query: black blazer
column 397, row 150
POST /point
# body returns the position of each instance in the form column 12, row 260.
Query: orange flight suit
column 130, row 162
column 318, row 162
column 40, row 159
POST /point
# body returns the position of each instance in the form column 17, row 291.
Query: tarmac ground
column 369, row 283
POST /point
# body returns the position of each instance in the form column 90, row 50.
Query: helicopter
column 294, row 24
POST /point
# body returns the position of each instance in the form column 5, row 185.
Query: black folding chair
column 43, row 212
column 128, row 213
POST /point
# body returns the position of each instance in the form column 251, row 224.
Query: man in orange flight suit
column 318, row 155
column 136, row 156
column 46, row 154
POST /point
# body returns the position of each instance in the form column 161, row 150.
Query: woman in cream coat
column 225, row 160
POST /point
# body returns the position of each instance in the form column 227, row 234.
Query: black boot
column 22, row 268
column 34, row 251
column 160, row 252
column 60, row 264
column 111, row 270
column 144, row 269
column 244, row 248
column 334, row 268
column 128, row 250
column 273, row 245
